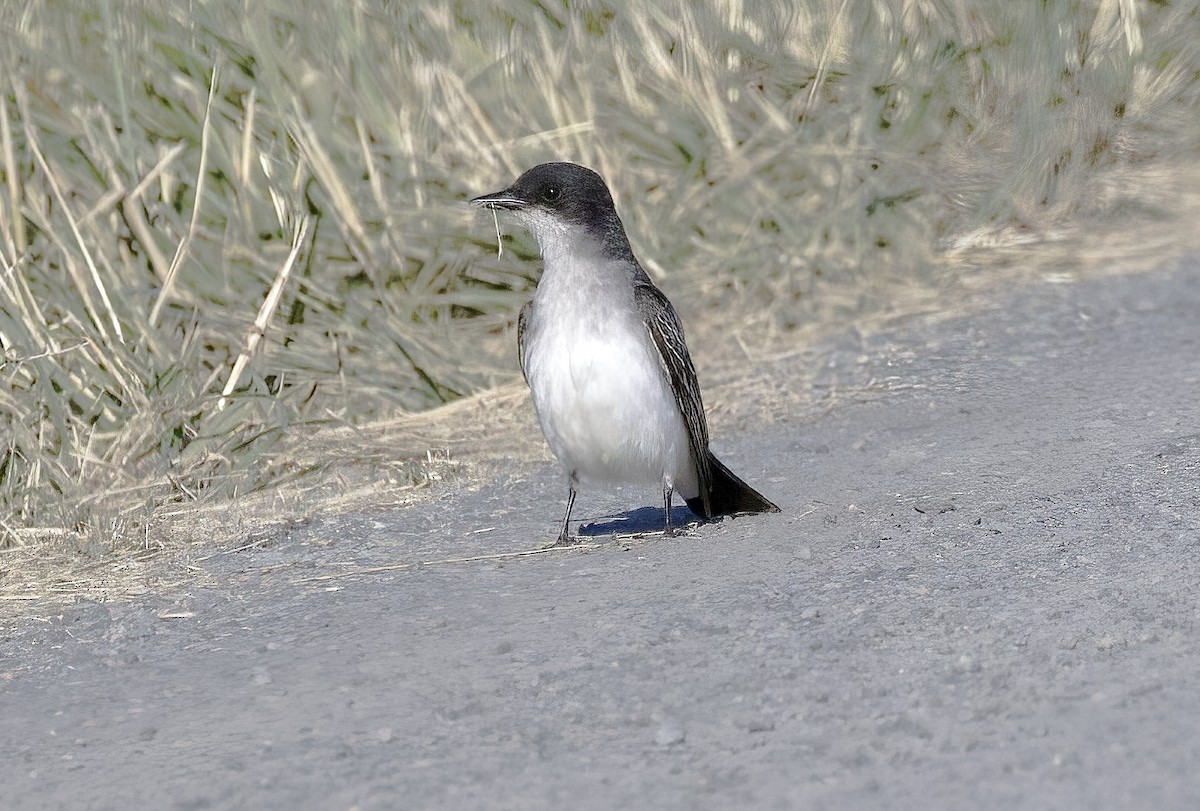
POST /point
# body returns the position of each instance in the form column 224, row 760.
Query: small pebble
column 669, row 734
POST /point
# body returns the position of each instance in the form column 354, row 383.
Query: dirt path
column 982, row 594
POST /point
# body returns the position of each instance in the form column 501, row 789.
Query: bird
column 603, row 352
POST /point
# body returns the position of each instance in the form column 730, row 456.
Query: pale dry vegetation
column 223, row 223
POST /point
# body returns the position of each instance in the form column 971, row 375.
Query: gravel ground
column 981, row 594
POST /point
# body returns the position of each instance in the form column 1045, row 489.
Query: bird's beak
column 500, row 200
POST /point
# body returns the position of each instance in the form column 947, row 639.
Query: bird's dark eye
column 551, row 194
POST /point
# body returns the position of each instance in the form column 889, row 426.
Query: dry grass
column 226, row 226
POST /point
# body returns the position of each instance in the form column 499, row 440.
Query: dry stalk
column 35, row 148
column 264, row 312
column 185, row 243
column 823, row 65
column 581, row 546
column 13, row 176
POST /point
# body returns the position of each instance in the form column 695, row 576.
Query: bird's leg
column 668, row 491
column 564, row 539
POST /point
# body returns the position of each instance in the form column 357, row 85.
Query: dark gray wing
column 667, row 334
column 522, row 320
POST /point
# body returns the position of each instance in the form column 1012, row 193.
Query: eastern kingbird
column 603, row 353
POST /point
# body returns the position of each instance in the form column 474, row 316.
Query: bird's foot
column 684, row 530
column 563, row 541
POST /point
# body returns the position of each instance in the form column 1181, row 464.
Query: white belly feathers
column 604, row 402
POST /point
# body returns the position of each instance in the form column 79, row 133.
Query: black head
column 566, row 194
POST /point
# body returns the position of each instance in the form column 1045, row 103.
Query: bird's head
column 561, row 201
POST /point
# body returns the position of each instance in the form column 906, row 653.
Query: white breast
column 601, row 395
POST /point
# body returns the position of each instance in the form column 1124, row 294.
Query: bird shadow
column 642, row 521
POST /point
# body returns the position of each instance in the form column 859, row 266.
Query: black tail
column 728, row 495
